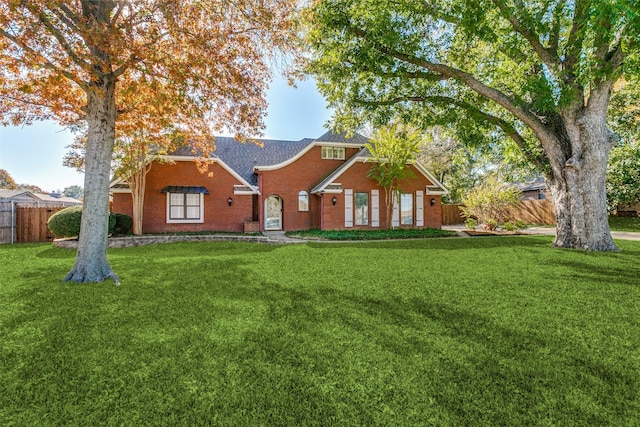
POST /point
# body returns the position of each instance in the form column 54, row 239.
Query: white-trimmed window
column 303, row 201
column 185, row 208
column 406, row 209
column 362, row 209
column 333, row 153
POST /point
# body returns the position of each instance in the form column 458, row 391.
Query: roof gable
column 363, row 156
column 10, row 194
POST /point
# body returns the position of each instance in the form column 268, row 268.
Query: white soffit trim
column 431, row 178
column 121, row 190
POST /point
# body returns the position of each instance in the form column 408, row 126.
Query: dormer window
column 333, row 153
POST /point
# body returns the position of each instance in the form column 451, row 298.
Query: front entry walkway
column 279, row 237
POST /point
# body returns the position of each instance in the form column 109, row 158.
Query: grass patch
column 398, row 233
column 493, row 331
column 619, row 223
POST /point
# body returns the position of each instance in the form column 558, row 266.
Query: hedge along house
column 281, row 185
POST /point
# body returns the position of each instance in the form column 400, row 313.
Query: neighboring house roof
column 11, row 194
column 53, row 199
column 538, row 183
column 28, row 196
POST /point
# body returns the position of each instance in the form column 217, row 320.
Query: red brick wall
column 303, row 174
column 355, row 178
column 218, row 215
column 122, row 203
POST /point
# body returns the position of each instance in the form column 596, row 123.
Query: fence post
column 13, row 222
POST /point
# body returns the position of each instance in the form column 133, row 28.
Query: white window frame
column 355, row 209
column 333, row 153
column 198, row 220
column 303, row 197
column 413, row 215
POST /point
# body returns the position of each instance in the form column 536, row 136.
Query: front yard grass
column 620, row 223
column 460, row 332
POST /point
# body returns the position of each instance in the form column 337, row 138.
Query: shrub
column 509, row 226
column 490, row 224
column 66, row 223
column 470, row 223
column 491, row 203
column 122, row 225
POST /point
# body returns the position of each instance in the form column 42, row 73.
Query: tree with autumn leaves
column 115, row 66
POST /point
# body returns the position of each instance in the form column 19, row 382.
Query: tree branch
column 42, row 17
column 574, row 42
column 545, row 55
column 505, row 126
column 531, row 120
column 46, row 62
column 554, row 33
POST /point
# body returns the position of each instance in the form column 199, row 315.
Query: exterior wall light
column 433, row 202
column 334, row 200
column 229, row 201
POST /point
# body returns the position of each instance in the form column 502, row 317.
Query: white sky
column 33, row 154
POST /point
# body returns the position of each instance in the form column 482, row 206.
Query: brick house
column 281, row 185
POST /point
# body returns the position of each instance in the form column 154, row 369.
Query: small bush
column 66, row 223
column 509, row 226
column 521, row 225
column 123, row 224
column 491, row 202
column 490, row 224
column 470, row 223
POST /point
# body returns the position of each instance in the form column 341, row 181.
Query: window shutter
column 419, row 208
column 395, row 218
column 375, row 208
column 348, row 208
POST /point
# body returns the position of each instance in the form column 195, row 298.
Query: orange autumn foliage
column 114, row 68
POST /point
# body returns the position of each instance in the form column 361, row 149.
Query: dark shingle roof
column 244, row 157
column 341, row 137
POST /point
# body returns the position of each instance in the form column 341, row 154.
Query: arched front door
column 273, row 213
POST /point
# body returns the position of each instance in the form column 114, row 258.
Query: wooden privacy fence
column 23, row 223
column 529, row 211
column 6, row 221
column 451, row 215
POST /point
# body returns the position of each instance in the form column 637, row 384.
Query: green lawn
column 460, row 332
column 619, row 223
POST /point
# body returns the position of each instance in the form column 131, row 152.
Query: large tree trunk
column 91, row 263
column 578, row 179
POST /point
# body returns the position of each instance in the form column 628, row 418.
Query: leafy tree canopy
column 119, row 66
column 7, row 181
column 73, row 191
column 532, row 75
